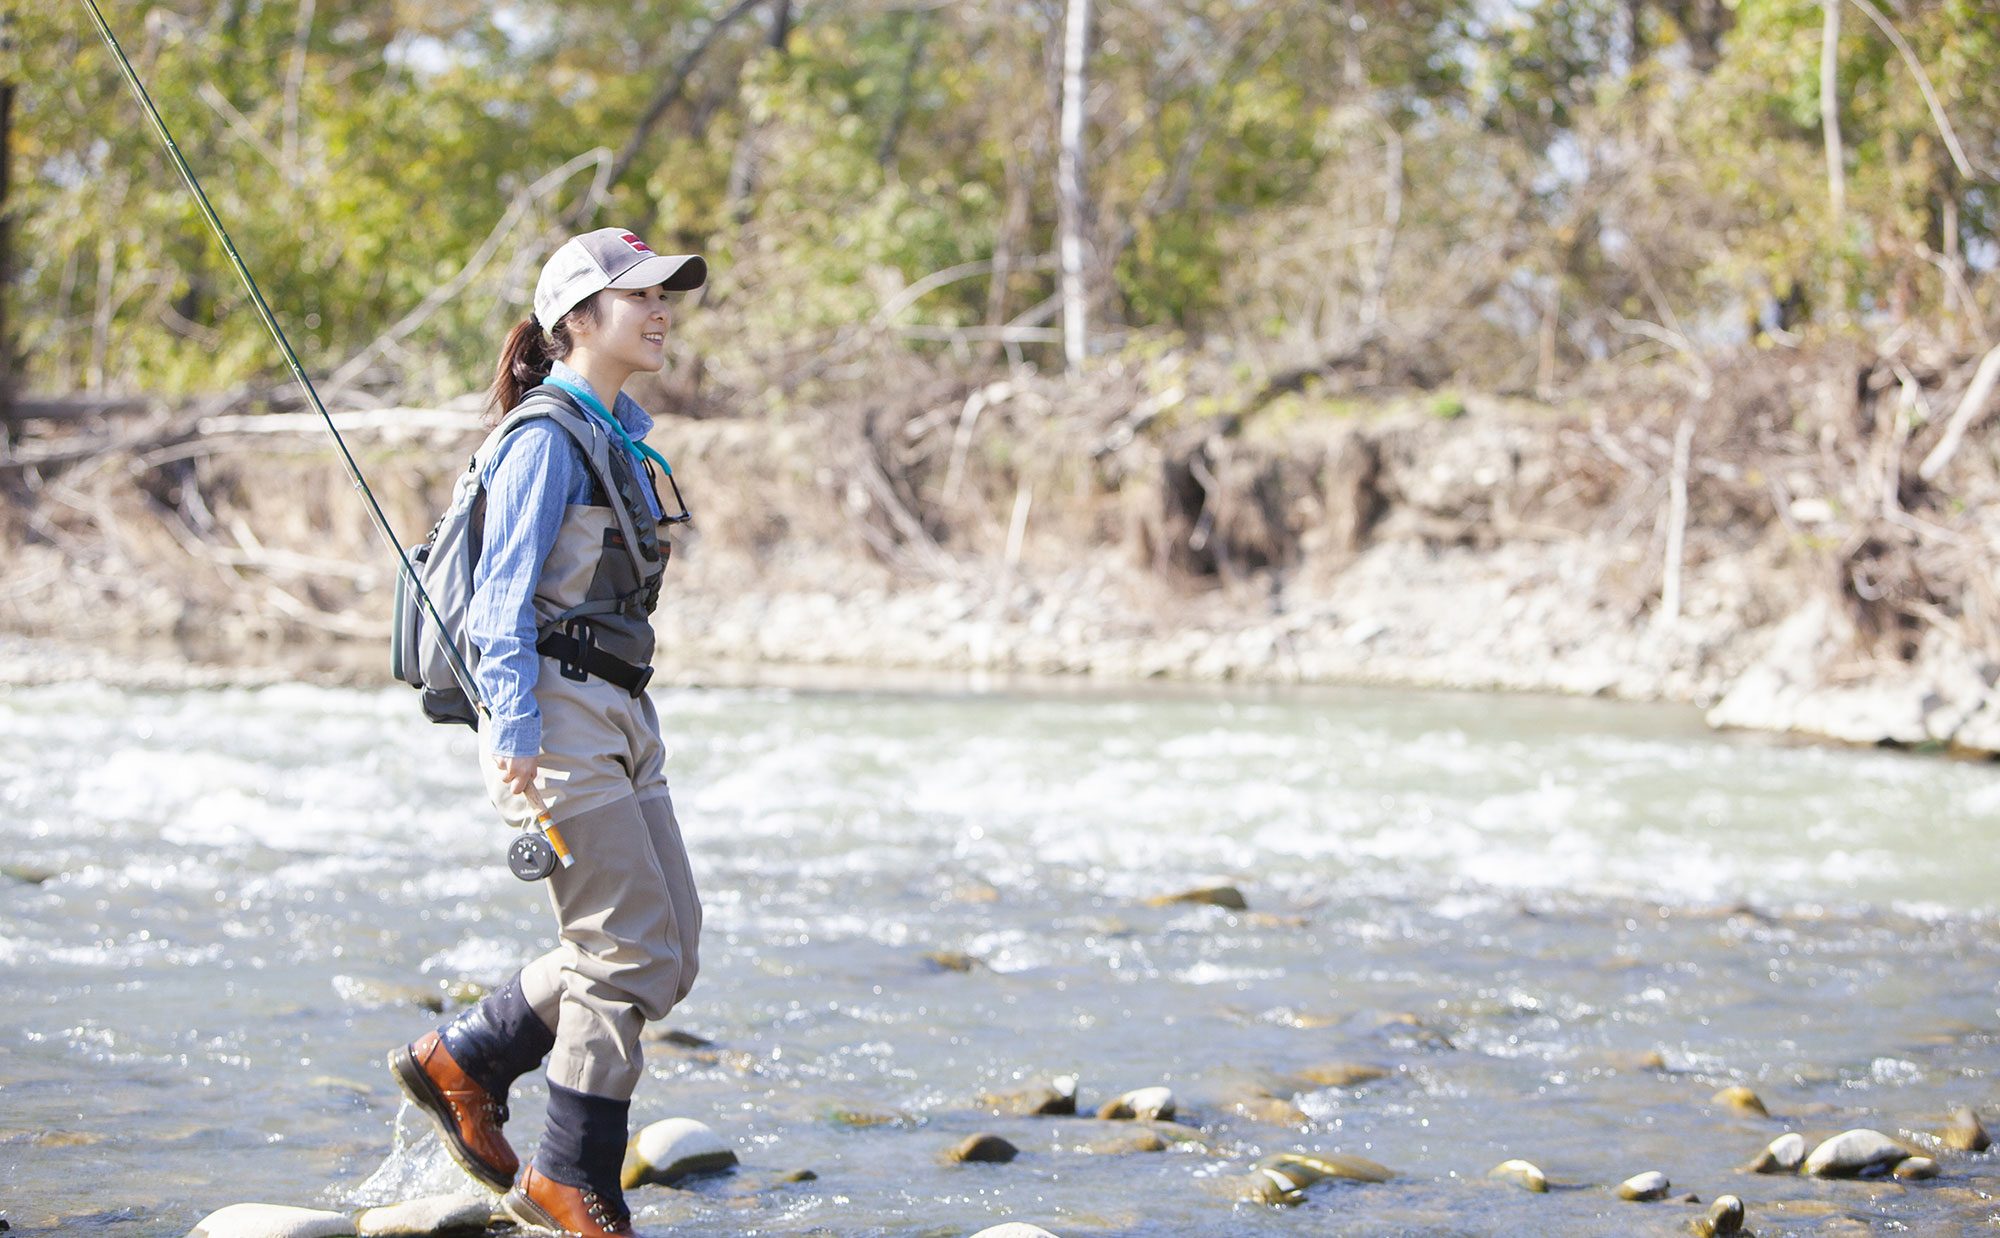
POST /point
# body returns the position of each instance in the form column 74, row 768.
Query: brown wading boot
column 466, row 1114
column 544, row 1203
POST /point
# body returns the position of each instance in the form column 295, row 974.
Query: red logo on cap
column 634, row 242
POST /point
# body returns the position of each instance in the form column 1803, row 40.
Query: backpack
column 443, row 565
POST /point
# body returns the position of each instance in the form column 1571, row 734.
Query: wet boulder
column 1917, row 1169
column 1056, row 1098
column 1782, row 1155
column 982, row 1149
column 1855, row 1154
column 1144, row 1104
column 433, row 1214
column 272, row 1221
column 1524, row 1174
column 1724, row 1218
column 1742, row 1100
column 1645, row 1188
column 1965, row 1133
column 672, row 1150
column 1285, row 1177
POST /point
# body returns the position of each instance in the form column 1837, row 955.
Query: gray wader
column 628, row 917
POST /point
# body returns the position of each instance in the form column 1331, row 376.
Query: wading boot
column 466, row 1114
column 544, row 1203
column 459, row 1076
column 573, row 1184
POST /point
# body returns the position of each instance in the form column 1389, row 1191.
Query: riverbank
column 1765, row 554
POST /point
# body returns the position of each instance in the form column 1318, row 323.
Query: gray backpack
column 444, row 563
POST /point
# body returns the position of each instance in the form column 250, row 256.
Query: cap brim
column 675, row 273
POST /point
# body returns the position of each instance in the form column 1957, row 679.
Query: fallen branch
column 1969, row 410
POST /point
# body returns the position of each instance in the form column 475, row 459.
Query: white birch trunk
column 1070, row 212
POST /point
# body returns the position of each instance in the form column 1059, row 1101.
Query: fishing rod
column 459, row 670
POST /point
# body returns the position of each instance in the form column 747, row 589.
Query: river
column 1556, row 928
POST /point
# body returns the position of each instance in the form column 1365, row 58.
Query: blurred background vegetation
column 1505, row 195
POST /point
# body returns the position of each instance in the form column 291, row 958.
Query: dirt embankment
column 1762, row 540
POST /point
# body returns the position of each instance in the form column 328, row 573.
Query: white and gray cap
column 608, row 258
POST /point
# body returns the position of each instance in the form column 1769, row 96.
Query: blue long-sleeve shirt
column 536, row 473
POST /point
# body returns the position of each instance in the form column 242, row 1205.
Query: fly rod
column 459, row 669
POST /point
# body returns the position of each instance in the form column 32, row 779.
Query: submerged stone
column 1725, row 1217
column 1917, row 1169
column 1144, row 1104
column 366, row 993
column 433, row 1214
column 1742, row 1100
column 1285, row 1177
column 1524, row 1174
column 1014, row 1229
column 1782, row 1155
column 1342, row 1074
column 1645, row 1188
column 951, row 960
column 983, row 1148
column 672, row 1150
column 1854, row 1154
column 272, row 1221
column 1055, row 1098
column 1124, row 1145
column 1213, row 896
column 1965, row 1133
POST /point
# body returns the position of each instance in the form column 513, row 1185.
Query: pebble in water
column 1854, row 1154
column 272, row 1221
column 951, row 960
column 1524, row 1174
column 1742, row 1100
column 434, row 1214
column 1213, row 896
column 1144, row 1104
column 1122, row 1145
column 370, row 994
column 1725, row 1217
column 1055, row 1098
column 1917, row 1169
column 1645, row 1187
column 1784, row 1155
column 1285, row 1177
column 1965, row 1134
column 984, row 1148
column 673, row 1149
column 1014, row 1229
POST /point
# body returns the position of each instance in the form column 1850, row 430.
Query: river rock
column 272, row 1221
column 433, row 1214
column 673, row 1149
column 1342, row 1074
column 1125, row 1145
column 983, row 1148
column 1524, row 1174
column 1285, row 1177
column 1725, row 1217
column 27, row 874
column 1055, row 1098
column 1014, row 1229
column 1855, row 1154
column 1783, row 1155
column 1212, row 896
column 1272, row 1110
column 369, row 994
column 1645, row 1187
column 1917, row 1169
column 951, row 960
column 1965, row 1134
column 1144, row 1104
column 1742, row 1100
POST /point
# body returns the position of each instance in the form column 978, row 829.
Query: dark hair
column 528, row 356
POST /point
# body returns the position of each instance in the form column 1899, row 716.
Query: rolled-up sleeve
column 536, row 473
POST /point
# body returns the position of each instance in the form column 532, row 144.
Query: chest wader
column 627, row 913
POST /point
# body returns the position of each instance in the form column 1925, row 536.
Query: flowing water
column 1556, row 927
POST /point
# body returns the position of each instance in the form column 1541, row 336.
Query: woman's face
column 631, row 328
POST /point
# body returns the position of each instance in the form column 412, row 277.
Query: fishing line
column 459, row 669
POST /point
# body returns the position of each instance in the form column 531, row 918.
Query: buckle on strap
column 578, row 657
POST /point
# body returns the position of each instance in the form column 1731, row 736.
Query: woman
column 568, row 573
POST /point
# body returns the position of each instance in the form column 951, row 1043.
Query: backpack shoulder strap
column 558, row 406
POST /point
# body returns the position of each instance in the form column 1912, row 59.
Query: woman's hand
column 518, row 772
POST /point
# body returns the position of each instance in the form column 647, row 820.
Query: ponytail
column 528, row 356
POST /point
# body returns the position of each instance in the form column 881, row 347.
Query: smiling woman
column 571, row 556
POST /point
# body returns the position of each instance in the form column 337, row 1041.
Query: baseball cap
column 608, row 258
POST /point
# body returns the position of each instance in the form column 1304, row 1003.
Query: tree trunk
column 7, row 354
column 1829, row 109
column 1070, row 207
